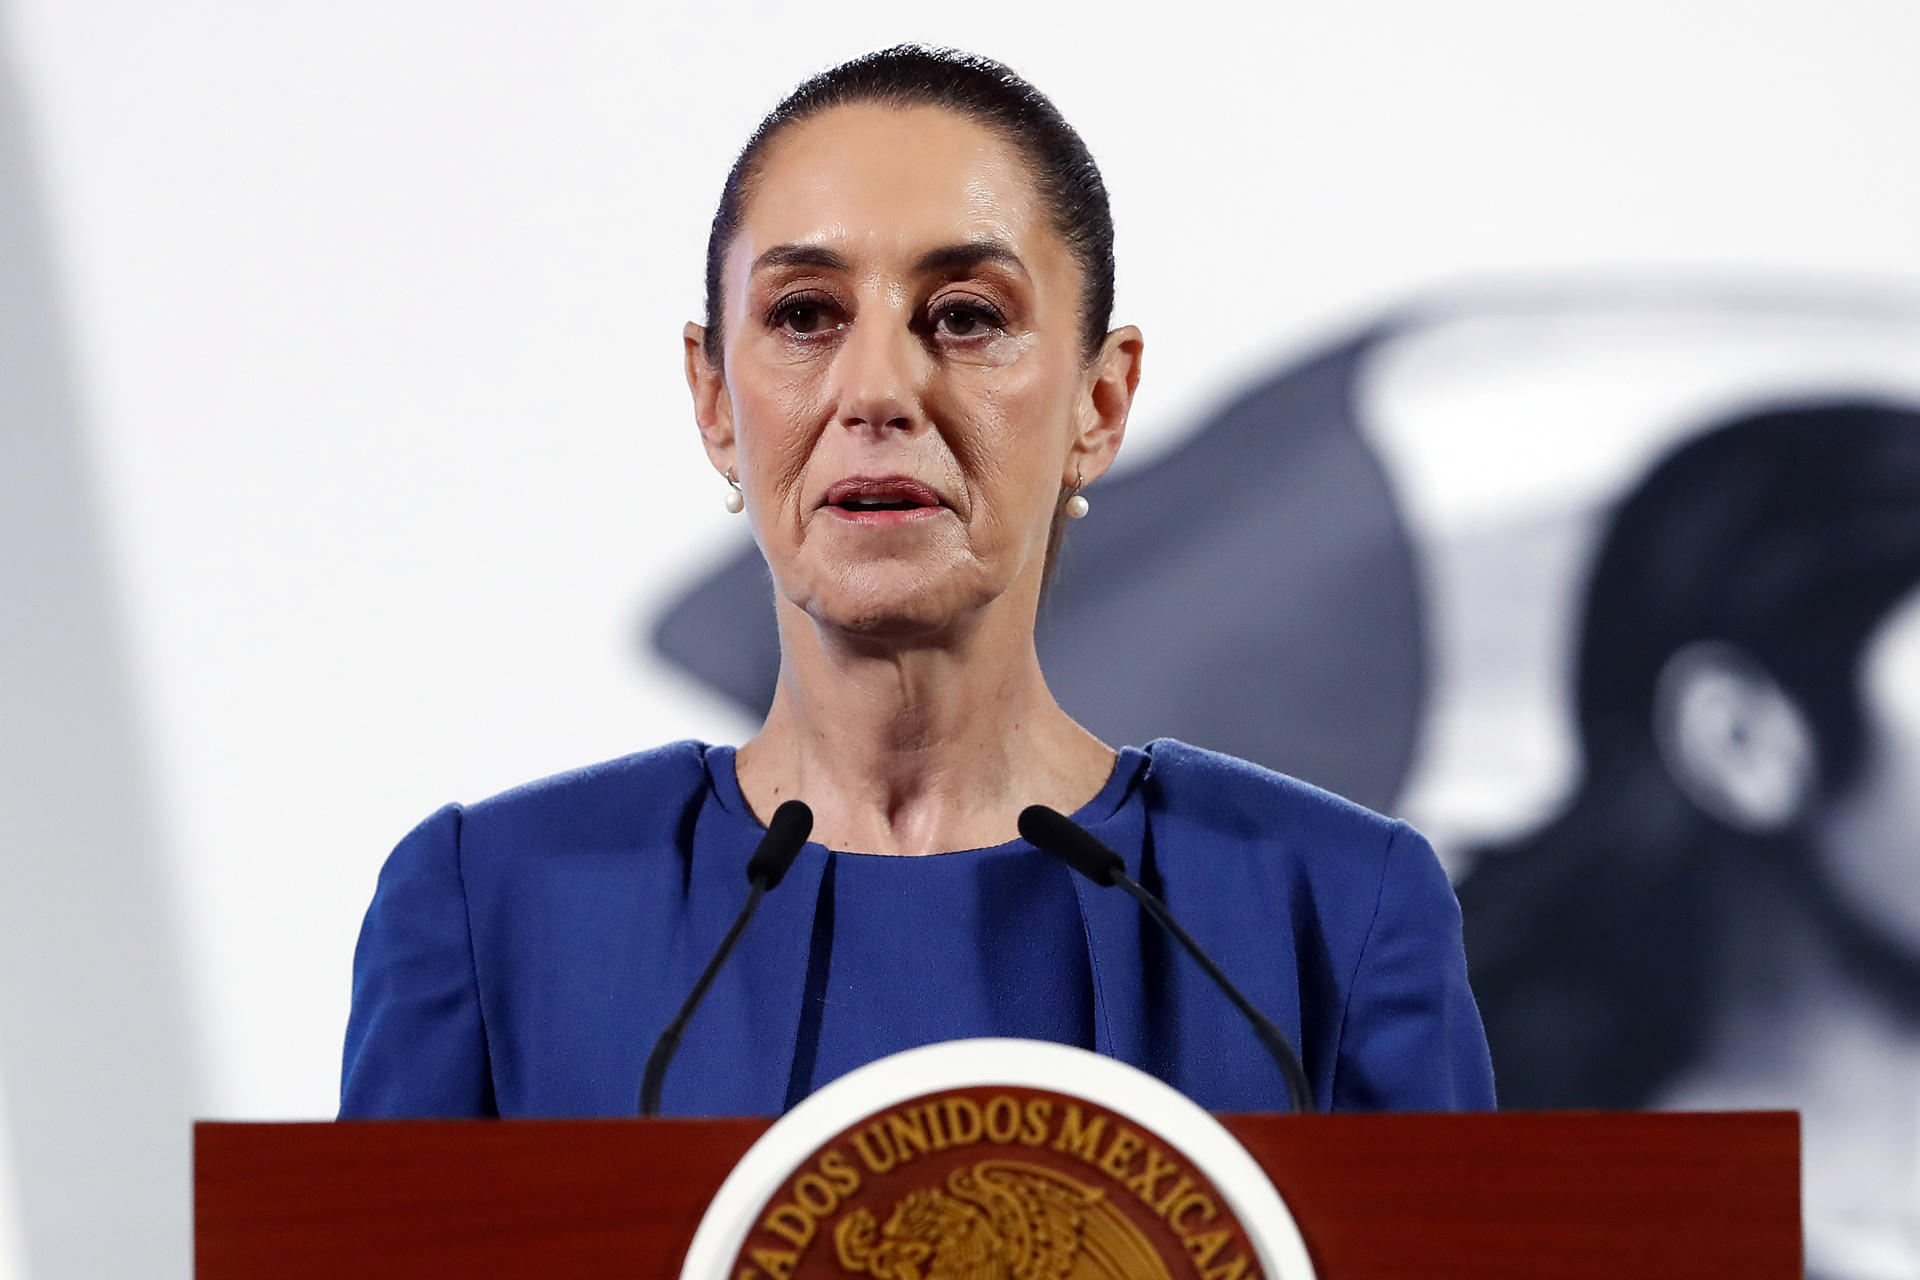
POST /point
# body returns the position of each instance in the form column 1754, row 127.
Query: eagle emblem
column 999, row 1220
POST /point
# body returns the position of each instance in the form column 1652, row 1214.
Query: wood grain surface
column 1546, row 1195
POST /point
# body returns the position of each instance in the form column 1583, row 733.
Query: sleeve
column 416, row 1045
column 1411, row 1039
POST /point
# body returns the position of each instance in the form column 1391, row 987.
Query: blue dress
column 521, row 954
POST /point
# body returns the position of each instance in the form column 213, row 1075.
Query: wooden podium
column 1513, row 1195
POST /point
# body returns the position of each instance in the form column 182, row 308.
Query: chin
column 893, row 603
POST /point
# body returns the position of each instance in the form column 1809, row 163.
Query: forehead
column 876, row 182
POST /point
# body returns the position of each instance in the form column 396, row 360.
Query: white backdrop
column 367, row 317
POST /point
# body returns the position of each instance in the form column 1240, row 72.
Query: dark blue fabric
column 522, row 953
column 912, row 951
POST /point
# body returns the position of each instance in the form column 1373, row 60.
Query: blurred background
column 1528, row 421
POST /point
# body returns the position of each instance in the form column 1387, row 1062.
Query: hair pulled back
column 1596, row 942
column 1790, row 532
column 981, row 89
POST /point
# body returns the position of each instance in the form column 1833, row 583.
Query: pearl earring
column 1077, row 505
column 736, row 499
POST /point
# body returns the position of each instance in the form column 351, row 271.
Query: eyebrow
column 800, row 255
column 950, row 257
column 971, row 254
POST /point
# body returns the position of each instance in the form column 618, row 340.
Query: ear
column 1105, row 400
column 712, row 406
column 1732, row 739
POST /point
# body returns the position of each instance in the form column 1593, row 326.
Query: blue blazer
column 521, row 954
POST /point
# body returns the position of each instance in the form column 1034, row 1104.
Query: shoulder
column 1239, row 800
column 1224, row 826
column 612, row 803
column 1387, row 1019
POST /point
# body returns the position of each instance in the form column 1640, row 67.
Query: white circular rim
column 1032, row 1064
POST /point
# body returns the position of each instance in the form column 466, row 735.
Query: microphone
column 792, row 823
column 1073, row 844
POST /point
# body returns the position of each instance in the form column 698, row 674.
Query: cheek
column 1872, row 850
column 1890, row 689
column 775, row 424
column 1020, row 432
column 1871, row 853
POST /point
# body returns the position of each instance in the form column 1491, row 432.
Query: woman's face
column 1869, row 842
column 902, row 391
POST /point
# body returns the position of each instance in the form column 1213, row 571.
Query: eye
column 966, row 319
column 805, row 315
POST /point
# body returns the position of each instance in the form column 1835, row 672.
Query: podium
column 1509, row 1195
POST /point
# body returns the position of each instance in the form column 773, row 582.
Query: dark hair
column 1790, row 533
column 910, row 75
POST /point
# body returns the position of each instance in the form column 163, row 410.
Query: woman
column 907, row 377
column 1727, row 915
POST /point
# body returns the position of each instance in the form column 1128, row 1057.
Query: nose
column 879, row 374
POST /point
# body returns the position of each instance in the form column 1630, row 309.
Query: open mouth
column 879, row 504
column 882, row 498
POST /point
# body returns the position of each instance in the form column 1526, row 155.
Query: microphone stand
column 1073, row 844
column 786, row 833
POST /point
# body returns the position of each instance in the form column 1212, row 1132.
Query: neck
column 916, row 747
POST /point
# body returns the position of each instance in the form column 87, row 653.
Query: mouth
column 882, row 500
